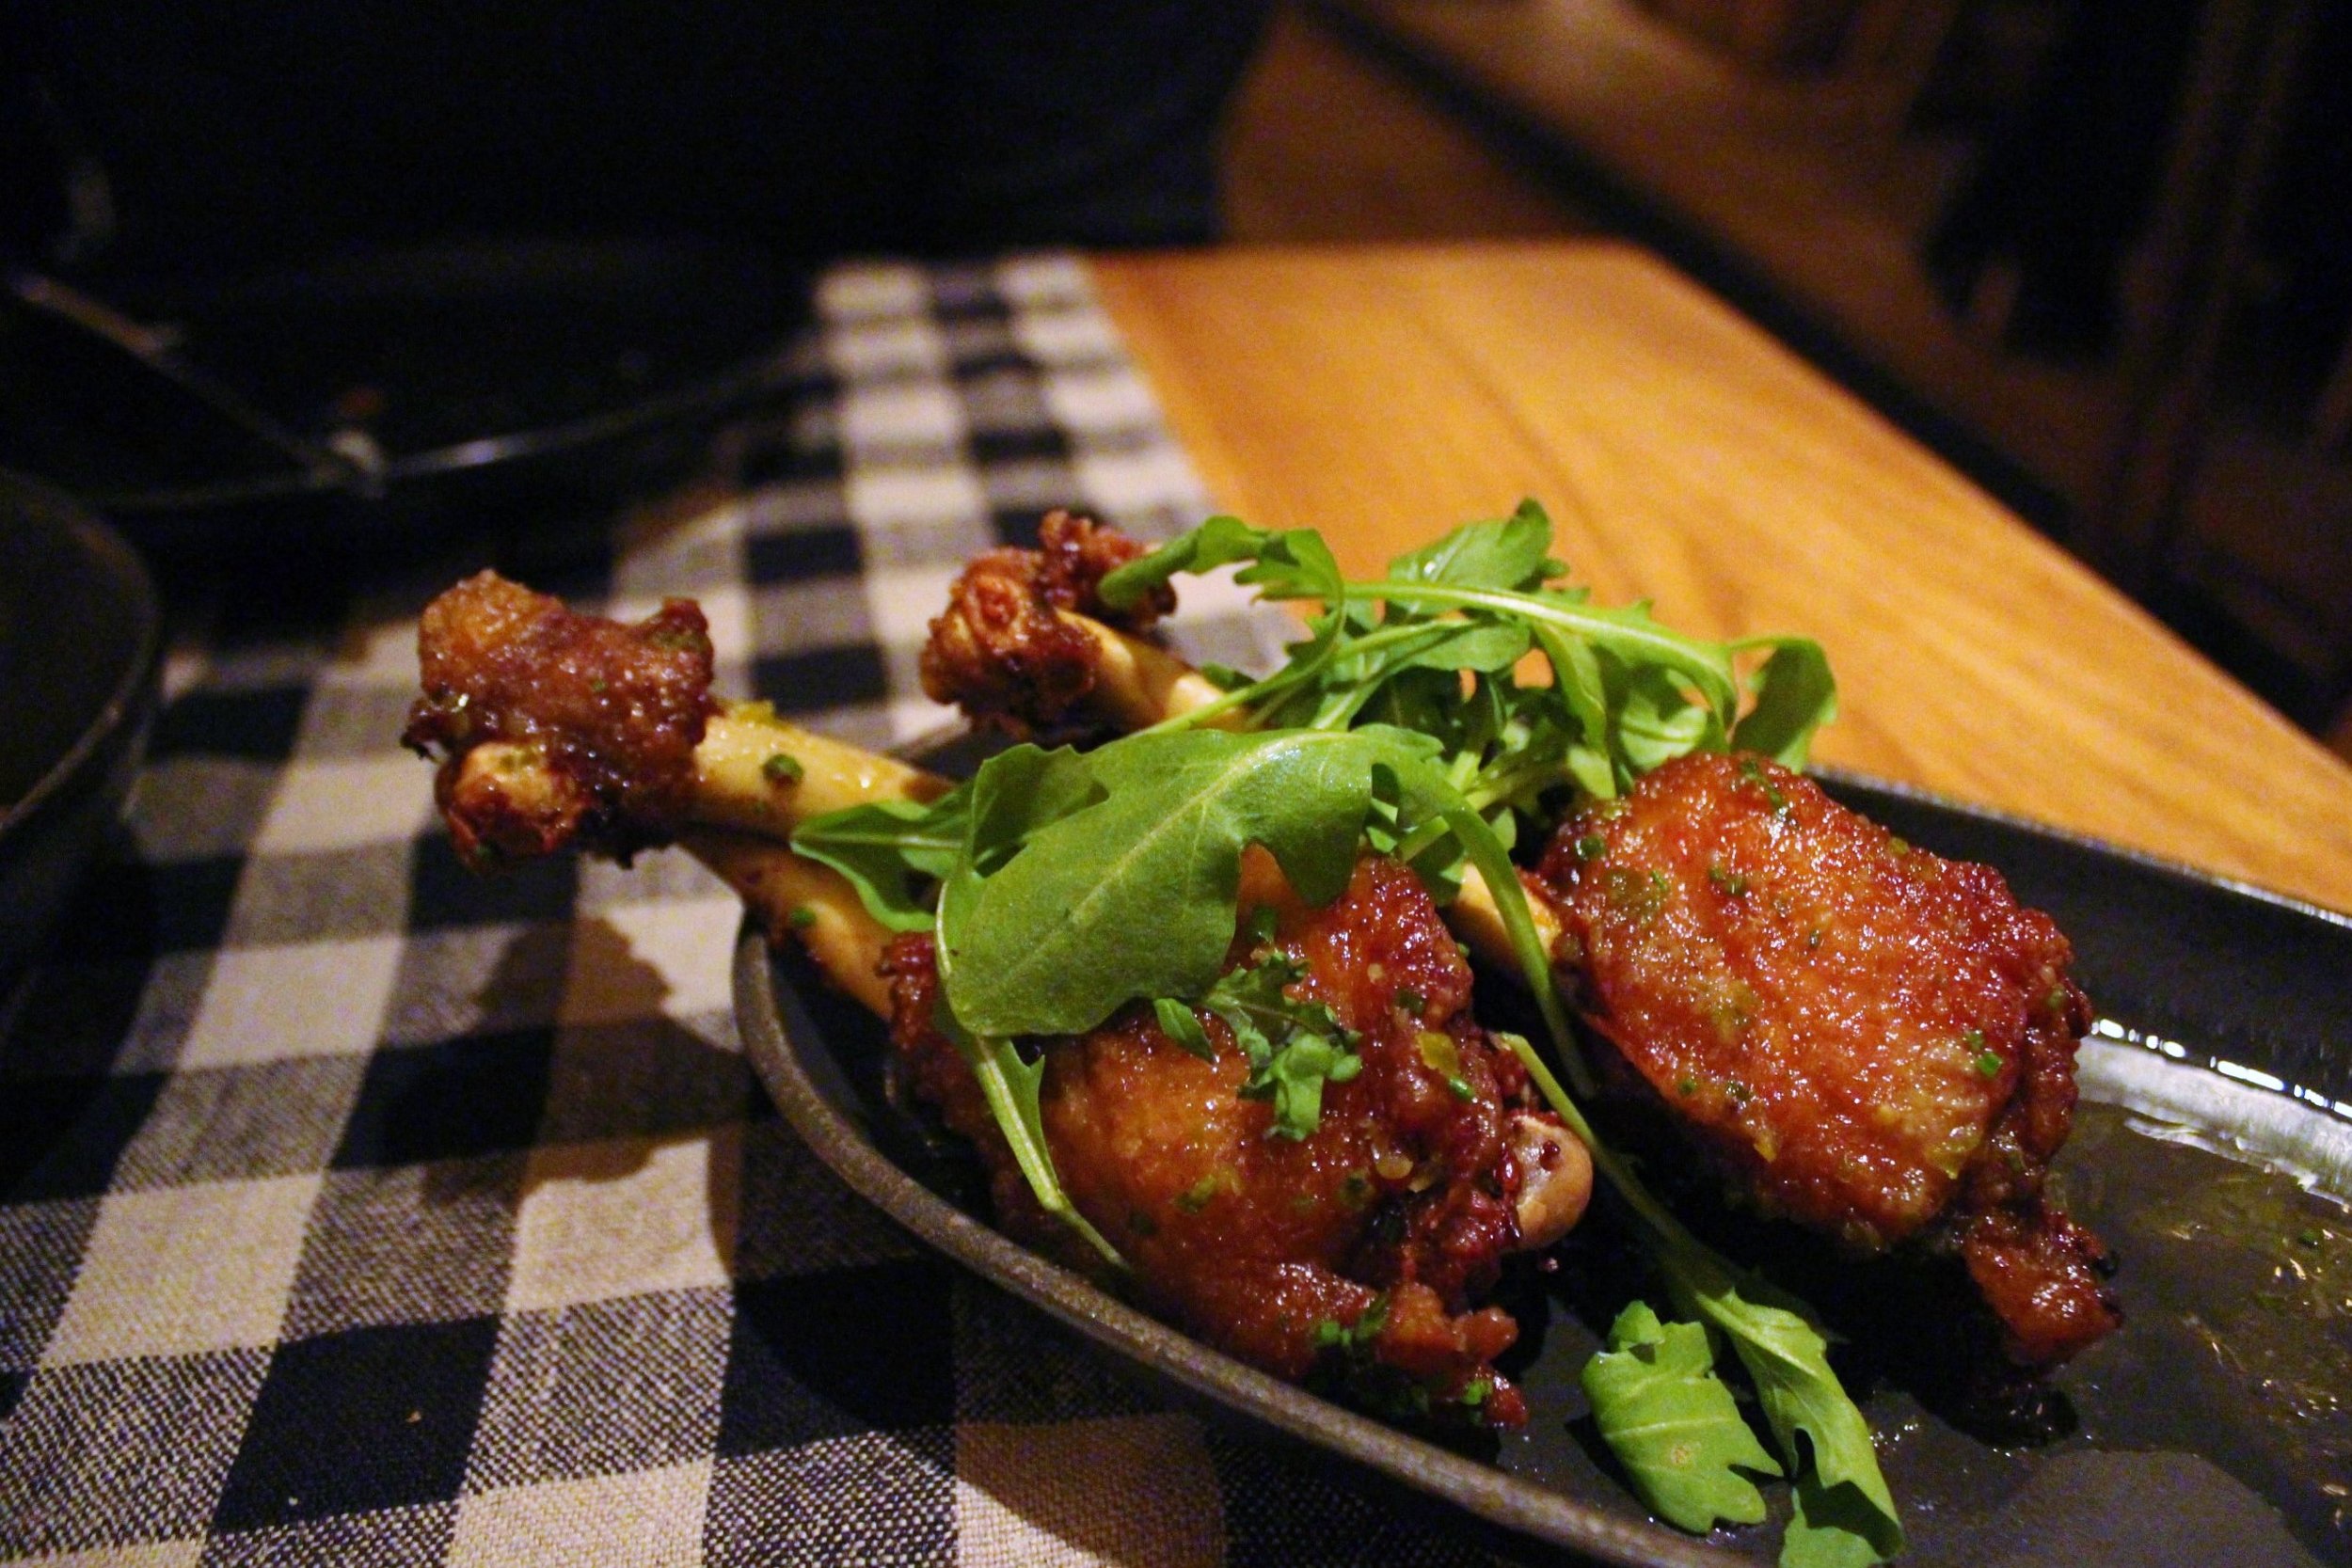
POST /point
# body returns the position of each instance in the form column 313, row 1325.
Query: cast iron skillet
column 79, row 655
column 375, row 398
column 2227, row 1022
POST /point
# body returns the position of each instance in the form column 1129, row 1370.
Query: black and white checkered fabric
column 356, row 1210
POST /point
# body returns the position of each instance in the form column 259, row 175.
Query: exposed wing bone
column 534, row 765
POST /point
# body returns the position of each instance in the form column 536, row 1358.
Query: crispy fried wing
column 1390, row 1220
column 598, row 720
column 1002, row 653
column 1871, row 1040
column 563, row 730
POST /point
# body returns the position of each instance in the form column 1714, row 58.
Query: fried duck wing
column 1370, row 1238
column 1025, row 641
column 557, row 729
column 1869, row 1039
column 560, row 730
column 598, row 719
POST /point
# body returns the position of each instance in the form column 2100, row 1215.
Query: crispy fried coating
column 1001, row 653
column 605, row 719
column 1869, row 1039
column 1392, row 1219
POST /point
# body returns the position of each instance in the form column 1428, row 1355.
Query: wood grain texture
column 1384, row 394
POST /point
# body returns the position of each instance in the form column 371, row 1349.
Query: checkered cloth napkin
column 355, row 1209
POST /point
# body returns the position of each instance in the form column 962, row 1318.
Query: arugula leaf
column 1786, row 1356
column 1294, row 563
column 1011, row 1083
column 1625, row 694
column 1794, row 696
column 1508, row 552
column 1294, row 1044
column 1673, row 1424
column 1219, row 541
column 1657, row 723
column 1019, row 791
column 1132, row 897
column 1181, row 1024
column 1834, row 1526
column 894, row 852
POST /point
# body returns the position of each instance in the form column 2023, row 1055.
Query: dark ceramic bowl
column 80, row 640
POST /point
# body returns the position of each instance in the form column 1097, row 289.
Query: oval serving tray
column 2226, row 1027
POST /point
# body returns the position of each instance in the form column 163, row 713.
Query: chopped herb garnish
column 1439, row 1053
column 1197, row 1197
column 1730, row 883
column 1413, row 1001
column 1183, row 1026
column 1591, row 846
column 1754, row 773
column 781, row 767
column 1988, row 1063
column 1642, row 899
column 801, row 917
column 1331, row 1333
column 1294, row 1045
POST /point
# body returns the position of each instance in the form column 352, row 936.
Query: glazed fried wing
column 1026, row 643
column 558, row 730
column 600, row 719
column 1869, row 1039
column 1371, row 1239
column 1362, row 1246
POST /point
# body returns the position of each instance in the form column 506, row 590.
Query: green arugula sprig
column 1625, row 694
column 1081, row 883
column 1674, row 1424
column 895, row 853
column 1294, row 1045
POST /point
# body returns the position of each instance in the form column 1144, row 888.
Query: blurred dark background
column 232, row 135
column 2098, row 254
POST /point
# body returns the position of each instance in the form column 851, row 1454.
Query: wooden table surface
column 1385, row 394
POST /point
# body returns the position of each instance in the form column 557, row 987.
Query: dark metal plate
column 2217, row 1426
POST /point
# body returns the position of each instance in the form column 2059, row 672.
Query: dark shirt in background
column 237, row 135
